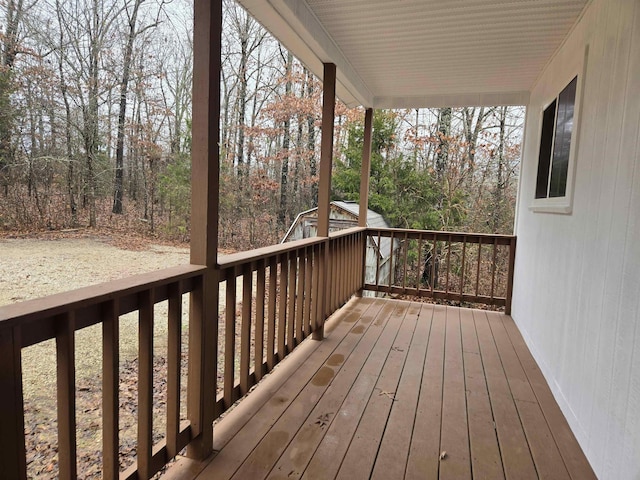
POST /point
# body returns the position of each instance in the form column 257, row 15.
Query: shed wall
column 577, row 283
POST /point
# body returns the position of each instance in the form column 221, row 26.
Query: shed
column 344, row 215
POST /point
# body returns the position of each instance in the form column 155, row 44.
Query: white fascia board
column 294, row 24
column 481, row 99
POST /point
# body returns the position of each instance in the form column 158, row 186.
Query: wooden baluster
column 300, row 295
column 258, row 354
column 66, row 378
column 230, row 337
column 434, row 259
column 315, row 289
column 13, row 463
column 391, row 276
column 464, row 251
column 404, row 270
column 308, row 256
column 145, row 383
column 493, row 266
column 448, row 263
column 421, row 265
column 291, row 315
column 380, row 251
column 271, row 313
column 282, row 310
column 478, row 269
column 110, row 386
column 245, row 328
column 174, row 351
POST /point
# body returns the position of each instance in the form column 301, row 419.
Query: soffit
column 423, row 53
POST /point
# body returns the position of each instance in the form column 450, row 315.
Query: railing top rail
column 443, row 235
column 45, row 307
column 242, row 258
column 346, row 232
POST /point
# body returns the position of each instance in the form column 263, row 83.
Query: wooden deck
column 400, row 390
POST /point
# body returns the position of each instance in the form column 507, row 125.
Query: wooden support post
column 512, row 265
column 205, row 183
column 365, row 173
column 13, row 462
column 324, row 186
column 366, row 168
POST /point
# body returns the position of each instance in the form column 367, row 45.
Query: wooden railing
column 287, row 291
column 59, row 317
column 464, row 267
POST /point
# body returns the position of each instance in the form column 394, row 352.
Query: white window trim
column 564, row 205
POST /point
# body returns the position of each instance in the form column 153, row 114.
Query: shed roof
column 424, row 53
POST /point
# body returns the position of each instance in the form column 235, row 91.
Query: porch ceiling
column 423, row 53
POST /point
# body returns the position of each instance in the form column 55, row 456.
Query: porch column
column 324, row 188
column 365, row 173
column 205, row 180
column 366, row 168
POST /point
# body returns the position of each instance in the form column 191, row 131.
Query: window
column 555, row 144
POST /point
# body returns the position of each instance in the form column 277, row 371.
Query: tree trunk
column 311, row 145
column 286, row 140
column 124, row 85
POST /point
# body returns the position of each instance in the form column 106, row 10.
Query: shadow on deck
column 399, row 390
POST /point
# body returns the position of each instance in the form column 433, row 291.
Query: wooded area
column 95, row 108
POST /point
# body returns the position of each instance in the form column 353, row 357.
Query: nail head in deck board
column 392, row 456
column 516, row 456
column 266, row 453
column 236, row 450
column 361, row 454
column 295, row 458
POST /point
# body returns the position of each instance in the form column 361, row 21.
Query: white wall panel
column 577, row 285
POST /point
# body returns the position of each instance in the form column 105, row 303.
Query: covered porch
column 386, row 388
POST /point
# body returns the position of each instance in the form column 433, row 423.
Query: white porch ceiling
column 423, row 53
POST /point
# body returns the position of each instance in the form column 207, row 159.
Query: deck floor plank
column 392, row 386
column 392, row 456
column 362, row 451
column 295, row 457
column 234, row 450
column 516, row 455
column 424, row 451
column 572, row 454
column 272, row 443
column 454, row 438
column 486, row 462
column 328, row 456
column 544, row 451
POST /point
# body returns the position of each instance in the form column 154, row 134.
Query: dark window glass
column 564, row 128
column 544, row 158
column 555, row 144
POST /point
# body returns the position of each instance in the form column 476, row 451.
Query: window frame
column 564, row 204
